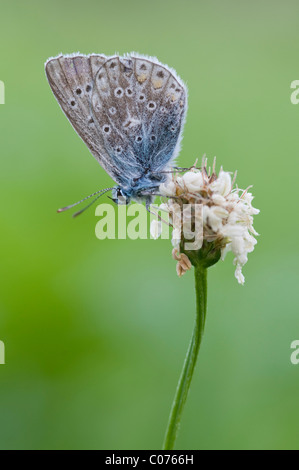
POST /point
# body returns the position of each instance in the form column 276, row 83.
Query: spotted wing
column 129, row 111
column 139, row 107
column 71, row 79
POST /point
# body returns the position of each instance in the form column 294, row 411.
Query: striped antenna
column 99, row 193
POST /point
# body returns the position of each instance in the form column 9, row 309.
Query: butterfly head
column 120, row 196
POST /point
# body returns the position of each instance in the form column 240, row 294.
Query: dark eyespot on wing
column 71, row 80
column 128, row 110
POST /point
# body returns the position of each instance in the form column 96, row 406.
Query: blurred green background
column 96, row 331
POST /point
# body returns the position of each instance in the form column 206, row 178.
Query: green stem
column 190, row 361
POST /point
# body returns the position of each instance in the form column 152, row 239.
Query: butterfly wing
column 71, row 80
column 139, row 106
column 129, row 110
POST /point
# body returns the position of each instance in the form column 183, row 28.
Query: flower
column 168, row 189
column 184, row 264
column 210, row 217
column 192, row 181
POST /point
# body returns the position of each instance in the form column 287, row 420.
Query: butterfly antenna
column 86, row 207
column 102, row 191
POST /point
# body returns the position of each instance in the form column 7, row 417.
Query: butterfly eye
column 138, row 139
column 121, row 196
column 118, row 92
column 106, row 129
column 119, row 150
column 88, row 88
column 78, row 91
column 153, row 138
column 151, row 105
column 129, row 92
column 141, row 97
column 73, row 103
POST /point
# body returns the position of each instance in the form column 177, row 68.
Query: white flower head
column 223, row 184
column 168, row 188
column 226, row 218
column 192, row 181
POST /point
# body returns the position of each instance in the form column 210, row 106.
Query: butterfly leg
column 175, row 169
column 158, row 216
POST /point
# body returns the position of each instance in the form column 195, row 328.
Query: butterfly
column 129, row 111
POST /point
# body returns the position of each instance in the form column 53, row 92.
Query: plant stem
column 190, row 361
